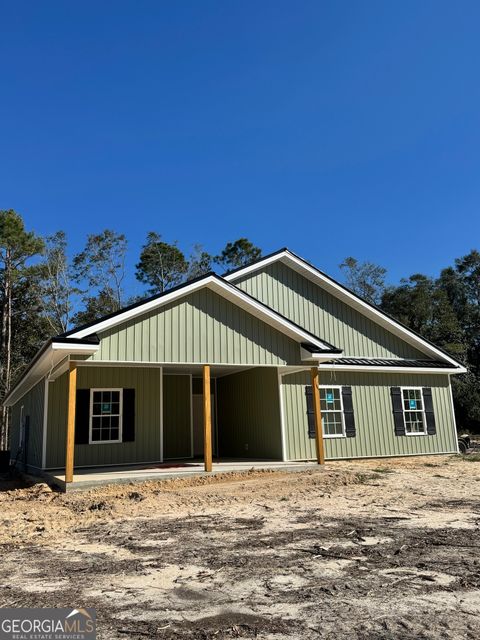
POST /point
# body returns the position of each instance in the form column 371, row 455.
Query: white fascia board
column 227, row 291
column 46, row 363
column 319, row 357
column 347, row 296
column 241, row 299
column 386, row 369
column 75, row 348
column 147, row 306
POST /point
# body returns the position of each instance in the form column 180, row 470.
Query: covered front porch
column 84, row 479
column 137, row 421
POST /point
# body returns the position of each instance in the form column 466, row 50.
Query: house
column 244, row 366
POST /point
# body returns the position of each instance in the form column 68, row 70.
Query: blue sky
column 335, row 128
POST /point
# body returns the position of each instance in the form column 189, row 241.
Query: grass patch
column 363, row 478
column 473, row 457
column 383, row 470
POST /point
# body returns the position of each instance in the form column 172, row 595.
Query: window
column 106, row 407
column 331, row 407
column 413, row 411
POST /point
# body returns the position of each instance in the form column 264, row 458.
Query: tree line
column 445, row 310
column 43, row 293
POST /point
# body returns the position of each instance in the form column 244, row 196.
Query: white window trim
column 414, row 433
column 120, row 421
column 344, row 433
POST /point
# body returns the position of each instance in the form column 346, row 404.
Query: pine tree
column 17, row 247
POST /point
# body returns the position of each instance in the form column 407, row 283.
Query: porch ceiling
column 216, row 371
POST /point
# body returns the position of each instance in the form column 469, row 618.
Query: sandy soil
column 358, row 550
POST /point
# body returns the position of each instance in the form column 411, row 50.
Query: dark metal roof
column 392, row 362
column 91, row 339
column 311, row 348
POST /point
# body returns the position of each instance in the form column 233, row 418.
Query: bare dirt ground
column 358, row 550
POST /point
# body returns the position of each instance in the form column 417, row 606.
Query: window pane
column 332, row 423
column 106, row 408
column 330, row 399
column 412, row 400
column 106, row 415
column 414, row 422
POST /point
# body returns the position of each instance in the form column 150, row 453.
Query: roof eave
column 332, row 366
column 47, row 358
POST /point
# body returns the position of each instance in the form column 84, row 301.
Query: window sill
column 416, row 434
column 106, row 442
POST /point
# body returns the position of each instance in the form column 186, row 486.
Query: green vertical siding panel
column 145, row 448
column 177, row 416
column 32, row 402
column 375, row 435
column 57, row 420
column 202, row 327
column 248, row 409
column 321, row 313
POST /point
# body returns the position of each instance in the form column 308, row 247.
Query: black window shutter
column 397, row 407
column 348, row 412
column 82, row 416
column 429, row 413
column 128, row 419
column 310, row 414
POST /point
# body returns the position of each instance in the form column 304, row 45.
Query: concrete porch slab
column 95, row 477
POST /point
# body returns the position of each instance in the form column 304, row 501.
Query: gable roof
column 84, row 339
column 218, row 285
column 337, row 289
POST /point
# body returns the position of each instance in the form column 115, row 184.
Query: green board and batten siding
column 147, row 445
column 249, row 415
column 200, row 328
column 321, row 313
column 32, row 402
column 145, row 448
column 372, row 404
column 177, row 416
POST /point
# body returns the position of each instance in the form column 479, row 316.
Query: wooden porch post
column 207, row 419
column 318, row 416
column 72, row 397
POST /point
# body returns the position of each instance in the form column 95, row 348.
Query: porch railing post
column 70, row 444
column 318, row 416
column 207, row 419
